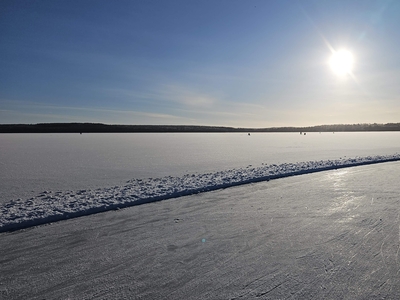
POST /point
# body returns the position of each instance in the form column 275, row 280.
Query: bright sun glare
column 341, row 62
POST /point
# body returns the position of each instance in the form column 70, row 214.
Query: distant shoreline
column 105, row 128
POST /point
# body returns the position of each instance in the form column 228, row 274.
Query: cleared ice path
column 55, row 206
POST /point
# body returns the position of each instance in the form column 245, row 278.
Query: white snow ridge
column 54, row 206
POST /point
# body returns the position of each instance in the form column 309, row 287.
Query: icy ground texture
column 50, row 207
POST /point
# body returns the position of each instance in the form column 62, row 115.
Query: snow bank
column 54, row 206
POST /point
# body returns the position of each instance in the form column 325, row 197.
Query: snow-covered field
column 324, row 235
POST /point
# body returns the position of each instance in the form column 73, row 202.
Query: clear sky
column 230, row 63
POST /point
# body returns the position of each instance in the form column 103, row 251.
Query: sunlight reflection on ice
column 345, row 201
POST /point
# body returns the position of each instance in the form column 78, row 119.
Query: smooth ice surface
column 33, row 163
column 326, row 235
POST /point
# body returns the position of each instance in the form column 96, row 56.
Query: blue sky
column 229, row 63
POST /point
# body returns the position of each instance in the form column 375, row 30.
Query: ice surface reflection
column 345, row 200
column 339, row 179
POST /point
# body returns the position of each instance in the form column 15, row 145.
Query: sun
column 341, row 62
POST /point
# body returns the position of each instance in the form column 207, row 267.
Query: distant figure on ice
column 248, row 133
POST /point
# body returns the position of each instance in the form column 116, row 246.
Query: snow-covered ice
column 326, row 235
column 33, row 163
column 54, row 206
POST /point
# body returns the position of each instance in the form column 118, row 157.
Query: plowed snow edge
column 50, row 207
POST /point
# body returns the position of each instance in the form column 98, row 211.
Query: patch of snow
column 55, row 206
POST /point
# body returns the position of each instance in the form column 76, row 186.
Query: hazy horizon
column 253, row 64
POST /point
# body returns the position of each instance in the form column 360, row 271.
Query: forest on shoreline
column 107, row 128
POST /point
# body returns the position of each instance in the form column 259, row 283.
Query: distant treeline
column 101, row 128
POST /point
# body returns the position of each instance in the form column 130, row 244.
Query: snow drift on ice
column 54, row 206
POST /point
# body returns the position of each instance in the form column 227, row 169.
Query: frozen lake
column 337, row 238
column 33, row 163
